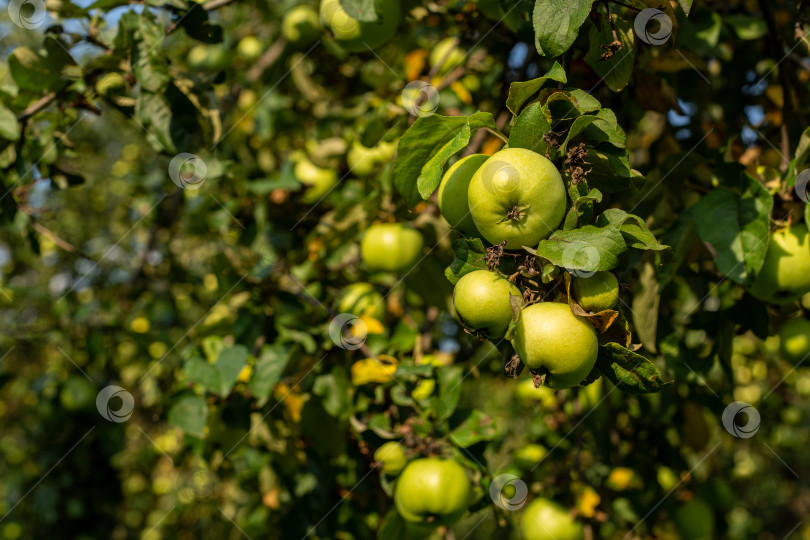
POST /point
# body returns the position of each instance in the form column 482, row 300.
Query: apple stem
column 515, row 213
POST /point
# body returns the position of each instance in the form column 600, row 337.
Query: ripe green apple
column 355, row 35
column 453, row 193
column 301, row 26
column 362, row 299
column 432, row 490
column 391, row 247
column 695, row 520
column 448, row 54
column 77, row 393
column 794, row 340
column 385, row 151
column 482, row 303
column 318, row 180
column 553, row 341
column 392, row 456
column 806, row 301
column 597, row 292
column 517, row 195
column 249, row 47
column 544, row 519
column 785, row 274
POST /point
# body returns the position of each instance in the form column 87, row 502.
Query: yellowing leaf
column 373, row 326
column 378, row 370
column 588, row 501
column 415, row 63
column 621, row 478
column 461, row 92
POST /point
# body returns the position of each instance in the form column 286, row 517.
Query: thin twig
column 37, row 106
column 266, row 60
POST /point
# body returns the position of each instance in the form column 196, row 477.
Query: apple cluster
column 514, row 199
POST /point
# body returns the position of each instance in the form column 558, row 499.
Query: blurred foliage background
column 211, row 306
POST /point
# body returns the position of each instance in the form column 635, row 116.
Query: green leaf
column 334, row 390
column 601, row 127
column 469, row 256
column 431, row 174
column 735, row 226
column 645, row 307
column 633, row 229
column 747, row 27
column 520, row 92
column 614, row 69
column 267, row 371
column 423, row 139
column 529, row 129
column 203, row 373
column 413, row 372
column 9, row 127
column 582, row 205
column 477, row 427
column 449, row 378
column 230, row 362
column 556, row 24
column 190, row 414
column 361, row 10
column 630, row 372
column 40, row 72
column 587, row 249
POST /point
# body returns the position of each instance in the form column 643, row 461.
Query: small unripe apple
column 452, row 195
column 392, row 456
column 301, row 25
column 785, row 274
column 597, row 292
column 318, row 181
column 249, row 47
column 362, row 160
column 554, row 342
column 794, row 340
column 391, row 247
column 482, row 300
column 362, row 299
column 544, row 519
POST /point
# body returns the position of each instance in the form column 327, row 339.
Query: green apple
column 794, row 340
column 362, row 299
column 362, row 160
column 554, row 342
column 392, row 457
column 391, row 247
column 447, row 55
column 544, row 519
column 597, row 292
column 452, row 194
column 249, row 48
column 432, row 490
column 318, row 181
column 385, row 151
column 207, row 57
column 806, row 301
column 301, row 26
column 482, row 302
column 518, row 196
column 785, row 274
column 341, row 18
column 695, row 520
